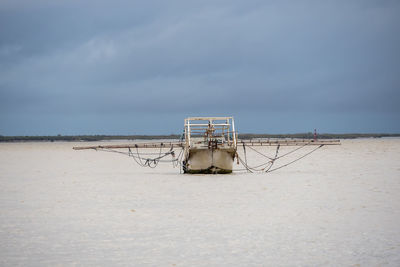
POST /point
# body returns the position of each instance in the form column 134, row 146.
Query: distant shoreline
column 88, row 138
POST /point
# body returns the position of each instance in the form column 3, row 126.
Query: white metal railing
column 210, row 127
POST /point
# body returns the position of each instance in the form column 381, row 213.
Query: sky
column 140, row 67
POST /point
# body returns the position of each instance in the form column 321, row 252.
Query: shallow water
column 339, row 206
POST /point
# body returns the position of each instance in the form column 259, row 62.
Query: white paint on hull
column 203, row 159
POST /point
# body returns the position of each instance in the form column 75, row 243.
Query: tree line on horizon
column 88, row 138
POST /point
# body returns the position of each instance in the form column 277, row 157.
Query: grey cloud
column 120, row 58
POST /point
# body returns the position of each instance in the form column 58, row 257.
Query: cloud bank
column 126, row 67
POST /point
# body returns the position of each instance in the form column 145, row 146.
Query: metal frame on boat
column 210, row 145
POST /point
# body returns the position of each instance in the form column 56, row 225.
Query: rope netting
column 152, row 159
column 267, row 166
column 144, row 159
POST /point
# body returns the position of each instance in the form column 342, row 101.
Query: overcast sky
column 141, row 67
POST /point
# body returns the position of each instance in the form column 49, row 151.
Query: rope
column 273, row 160
column 245, row 157
column 148, row 162
column 259, row 152
column 290, row 152
column 296, row 159
column 244, row 164
column 177, row 161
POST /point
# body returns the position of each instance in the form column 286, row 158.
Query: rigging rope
column 148, row 162
column 296, row 159
column 245, row 157
column 259, row 152
column 271, row 162
column 177, row 161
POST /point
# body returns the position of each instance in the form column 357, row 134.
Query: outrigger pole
column 272, row 142
column 288, row 142
column 138, row 145
column 210, row 145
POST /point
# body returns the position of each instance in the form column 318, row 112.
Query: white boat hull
column 206, row 160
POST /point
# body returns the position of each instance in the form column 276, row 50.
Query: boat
column 209, row 145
